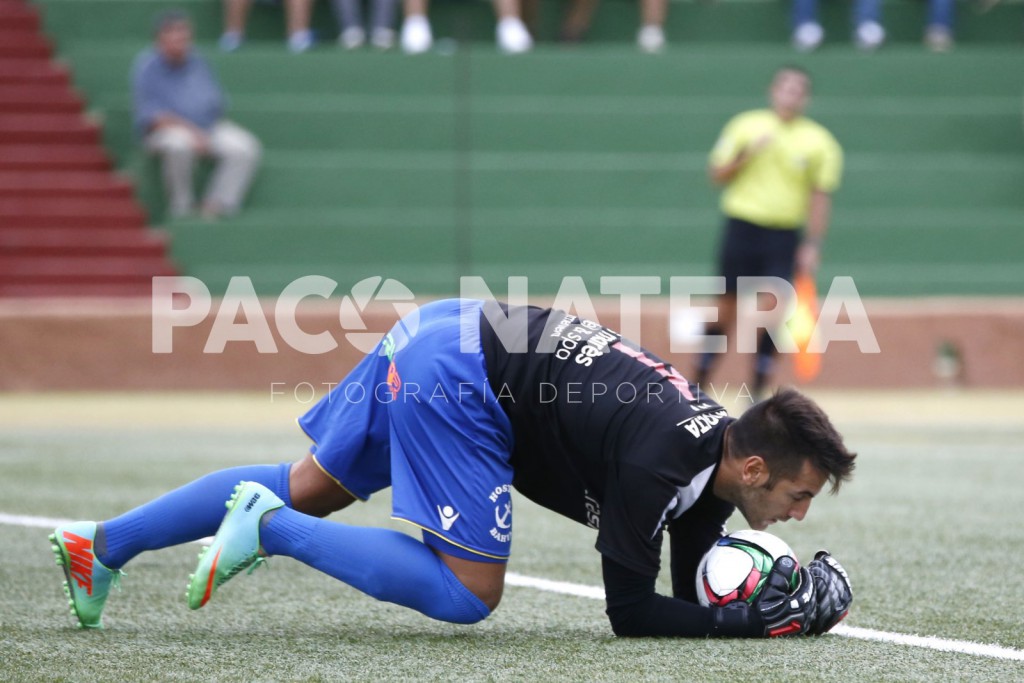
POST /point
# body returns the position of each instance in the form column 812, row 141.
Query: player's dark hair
column 786, row 430
column 796, row 69
column 170, row 17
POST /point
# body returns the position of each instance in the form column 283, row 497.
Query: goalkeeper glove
column 833, row 591
column 787, row 602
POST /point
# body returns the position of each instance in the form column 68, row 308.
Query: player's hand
column 808, row 258
column 787, row 603
column 833, row 591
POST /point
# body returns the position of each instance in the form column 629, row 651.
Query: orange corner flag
column 806, row 365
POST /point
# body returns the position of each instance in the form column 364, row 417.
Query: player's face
column 786, row 499
column 789, row 93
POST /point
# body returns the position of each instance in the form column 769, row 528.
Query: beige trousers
column 235, row 150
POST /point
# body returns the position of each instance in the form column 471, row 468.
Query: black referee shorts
column 750, row 250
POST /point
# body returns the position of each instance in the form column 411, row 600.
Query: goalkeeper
column 481, row 398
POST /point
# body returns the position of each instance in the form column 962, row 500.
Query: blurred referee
column 779, row 170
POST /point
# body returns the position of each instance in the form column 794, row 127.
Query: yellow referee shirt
column 774, row 188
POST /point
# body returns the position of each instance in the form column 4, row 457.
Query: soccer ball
column 737, row 566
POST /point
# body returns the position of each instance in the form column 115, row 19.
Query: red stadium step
column 38, row 99
column 68, row 225
column 80, row 241
column 23, row 44
column 82, row 268
column 53, row 129
column 18, row 22
column 142, row 289
column 19, row 16
column 35, row 212
column 53, row 157
column 63, row 184
column 34, row 71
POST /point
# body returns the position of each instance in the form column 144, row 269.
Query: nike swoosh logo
column 209, row 579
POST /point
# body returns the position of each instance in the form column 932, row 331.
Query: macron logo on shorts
column 448, row 516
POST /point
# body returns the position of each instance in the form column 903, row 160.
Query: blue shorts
column 418, row 415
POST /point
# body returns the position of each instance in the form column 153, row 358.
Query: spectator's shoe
column 650, row 39
column 382, row 38
column 512, row 37
column 938, row 38
column 229, row 41
column 869, row 36
column 352, row 38
column 807, row 37
column 417, row 37
column 87, row 582
column 300, row 41
column 236, row 546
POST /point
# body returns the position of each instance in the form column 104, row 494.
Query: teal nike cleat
column 88, row 581
column 237, row 543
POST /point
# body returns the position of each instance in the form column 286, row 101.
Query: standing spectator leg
column 807, row 30
column 417, row 36
column 938, row 35
column 578, row 18
column 383, row 16
column 511, row 34
column 298, row 14
column 237, row 153
column 651, row 37
column 350, row 20
column 867, row 18
column 235, row 14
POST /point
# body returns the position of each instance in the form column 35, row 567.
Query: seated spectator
column 869, row 34
column 297, row 18
column 353, row 29
column 511, row 34
column 179, row 113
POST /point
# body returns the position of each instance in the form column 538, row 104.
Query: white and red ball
column 737, row 566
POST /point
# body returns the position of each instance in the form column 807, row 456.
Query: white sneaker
column 512, row 36
column 938, row 38
column 300, row 41
column 417, row 37
column 230, row 41
column 808, row 36
column 352, row 38
column 382, row 38
column 650, row 39
column 869, row 36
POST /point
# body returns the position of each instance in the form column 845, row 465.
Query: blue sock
column 384, row 564
column 185, row 514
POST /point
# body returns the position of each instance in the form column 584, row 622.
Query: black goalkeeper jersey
column 605, row 432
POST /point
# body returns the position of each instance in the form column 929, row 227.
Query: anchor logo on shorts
column 502, row 519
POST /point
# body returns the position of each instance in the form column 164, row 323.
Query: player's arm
column 825, row 176
column 636, row 610
column 819, row 212
column 786, row 606
column 691, row 535
column 733, row 152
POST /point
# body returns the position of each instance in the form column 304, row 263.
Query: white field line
column 597, row 593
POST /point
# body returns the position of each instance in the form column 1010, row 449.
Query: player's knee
column 490, row 596
column 313, row 491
